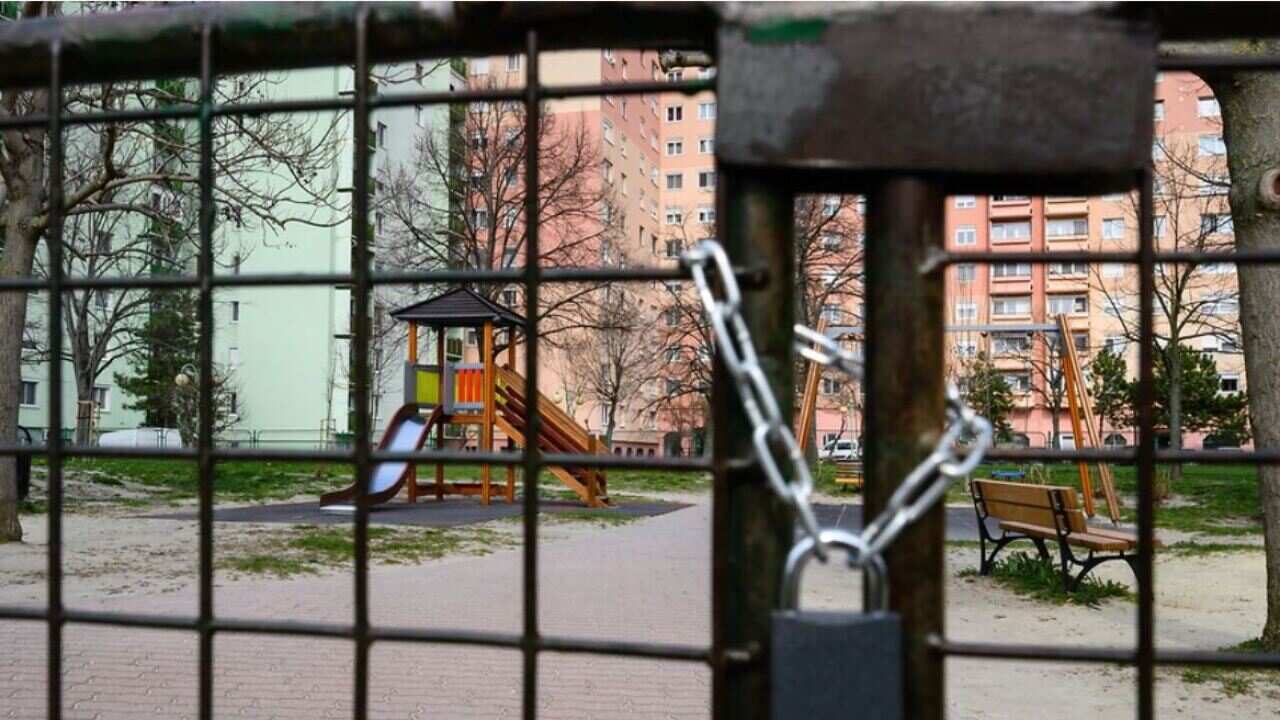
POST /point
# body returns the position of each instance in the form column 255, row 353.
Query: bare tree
column 1043, row 355
column 616, row 360
column 271, row 170
column 461, row 200
column 829, row 234
column 1192, row 300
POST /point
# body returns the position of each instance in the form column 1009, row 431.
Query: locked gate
column 904, row 104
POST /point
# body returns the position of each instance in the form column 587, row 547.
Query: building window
column 1158, row 111
column 831, row 386
column 1011, row 270
column 102, row 397
column 675, row 113
column 1212, row 146
column 1011, row 231
column 966, row 235
column 233, row 403
column 965, row 273
column 1229, row 383
column 509, row 297
column 1208, row 107
column 509, row 257
column 1113, row 228
column 706, row 179
column 235, row 311
column 1081, row 340
column 382, row 135
column 966, row 311
column 233, row 356
column 1018, row 382
column 830, row 241
column 706, row 146
column 606, row 169
column 1010, row 343
column 1220, row 305
column 235, row 264
column 675, row 181
column 673, row 247
column 1011, row 306
column 673, row 354
column 28, row 397
column 608, row 56
column 1217, row 224
column 478, row 66
column 1115, row 344
column 480, row 218
column 607, row 127
column 675, row 216
column 966, row 201
column 513, row 63
column 706, row 214
column 675, row 147
column 707, row 111
column 1157, row 226
column 672, row 316
column 1065, row 227
column 1069, row 268
column 675, row 75
column 1009, row 199
column 831, row 313
column 966, row 348
column 1068, row 304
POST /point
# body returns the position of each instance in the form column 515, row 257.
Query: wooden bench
column 849, row 472
column 1046, row 512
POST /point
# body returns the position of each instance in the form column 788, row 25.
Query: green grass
column 642, row 481
column 310, row 549
column 1040, row 579
column 1202, row 549
column 172, row 480
column 1232, row 682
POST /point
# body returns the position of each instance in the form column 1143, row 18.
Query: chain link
column 957, row 452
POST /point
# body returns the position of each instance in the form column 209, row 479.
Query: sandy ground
column 114, row 558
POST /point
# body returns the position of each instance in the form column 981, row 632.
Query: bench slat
column 1079, row 539
column 1024, row 493
column 1033, row 504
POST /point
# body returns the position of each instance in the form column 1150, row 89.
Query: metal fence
column 751, row 529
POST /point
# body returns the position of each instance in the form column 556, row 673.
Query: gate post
column 752, row 529
column 905, row 411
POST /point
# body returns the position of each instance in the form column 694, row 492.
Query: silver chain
column 956, row 453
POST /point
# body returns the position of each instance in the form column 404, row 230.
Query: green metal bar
column 752, row 528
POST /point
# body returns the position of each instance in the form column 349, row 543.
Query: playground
column 645, row 578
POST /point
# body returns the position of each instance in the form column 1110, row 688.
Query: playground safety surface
column 427, row 513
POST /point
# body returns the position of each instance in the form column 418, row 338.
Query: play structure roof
column 459, row 307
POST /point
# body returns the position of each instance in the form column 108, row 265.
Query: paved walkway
column 646, row 581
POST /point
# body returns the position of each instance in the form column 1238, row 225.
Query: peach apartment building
column 1191, row 213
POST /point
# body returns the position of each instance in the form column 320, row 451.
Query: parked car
column 840, row 450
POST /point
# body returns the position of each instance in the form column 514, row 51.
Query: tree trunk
column 1250, row 104
column 84, row 414
column 1173, row 355
column 19, row 253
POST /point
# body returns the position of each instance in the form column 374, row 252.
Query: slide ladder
column 559, row 433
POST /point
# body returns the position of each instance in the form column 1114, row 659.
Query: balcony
column 1059, row 206
column 1009, row 206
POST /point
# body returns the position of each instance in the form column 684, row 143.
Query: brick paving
column 646, row 581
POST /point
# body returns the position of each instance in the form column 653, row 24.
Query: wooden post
column 1070, row 380
column 486, row 424
column 441, row 424
column 809, row 403
column 592, row 444
column 413, row 360
column 511, row 363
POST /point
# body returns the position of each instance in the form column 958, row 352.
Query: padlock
column 829, row 664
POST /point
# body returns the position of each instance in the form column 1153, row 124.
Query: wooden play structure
column 480, row 394
column 1080, row 406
